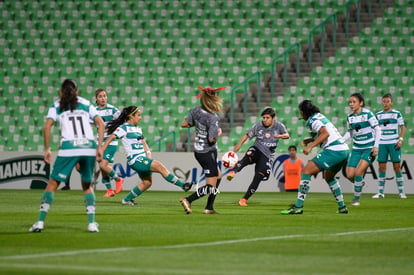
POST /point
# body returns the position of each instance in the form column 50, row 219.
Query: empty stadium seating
column 155, row 54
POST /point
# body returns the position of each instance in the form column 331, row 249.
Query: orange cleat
column 109, row 193
column 118, row 183
column 243, row 202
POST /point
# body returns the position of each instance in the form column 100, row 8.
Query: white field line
column 189, row 245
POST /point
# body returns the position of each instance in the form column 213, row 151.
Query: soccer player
column 108, row 112
column 77, row 145
column 390, row 120
column 364, row 129
column 330, row 160
column 206, row 122
column 267, row 133
column 125, row 127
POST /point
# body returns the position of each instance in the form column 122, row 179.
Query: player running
column 330, row 160
column 108, row 112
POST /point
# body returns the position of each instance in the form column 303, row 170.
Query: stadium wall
column 28, row 171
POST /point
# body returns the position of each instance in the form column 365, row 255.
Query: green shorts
column 331, row 160
column 142, row 165
column 360, row 154
column 63, row 166
column 110, row 153
column 389, row 149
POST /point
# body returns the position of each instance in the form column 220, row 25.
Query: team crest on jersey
column 267, row 135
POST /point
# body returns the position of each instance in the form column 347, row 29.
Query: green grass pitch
column 157, row 237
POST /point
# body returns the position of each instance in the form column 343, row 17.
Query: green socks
column 135, row 192
column 381, row 182
column 400, row 182
column 113, row 175
column 47, row 199
column 174, row 180
column 304, row 187
column 337, row 192
column 90, row 200
column 358, row 184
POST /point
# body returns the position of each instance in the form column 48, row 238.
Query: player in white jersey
column 365, row 132
column 77, row 145
column 126, row 128
column 108, row 112
column 330, row 160
column 392, row 135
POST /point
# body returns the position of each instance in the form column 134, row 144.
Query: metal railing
column 244, row 84
column 163, row 138
column 285, row 55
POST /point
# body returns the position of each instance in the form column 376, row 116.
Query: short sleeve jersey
column 362, row 128
column 389, row 123
column 207, row 125
column 108, row 113
column 132, row 137
column 335, row 141
column 265, row 141
column 77, row 137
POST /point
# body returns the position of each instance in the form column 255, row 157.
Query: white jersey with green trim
column 335, row 141
column 361, row 127
column 77, row 137
column 132, row 137
column 108, row 113
column 389, row 123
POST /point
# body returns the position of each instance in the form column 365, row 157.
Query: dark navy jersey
column 207, row 125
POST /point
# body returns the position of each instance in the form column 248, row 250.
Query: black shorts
column 263, row 163
column 208, row 162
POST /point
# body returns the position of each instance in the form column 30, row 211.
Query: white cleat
column 403, row 196
column 93, row 227
column 37, row 227
column 378, row 196
column 355, row 203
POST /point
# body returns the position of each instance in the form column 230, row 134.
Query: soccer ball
column 230, row 159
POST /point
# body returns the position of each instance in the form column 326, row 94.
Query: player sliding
column 330, row 160
column 126, row 128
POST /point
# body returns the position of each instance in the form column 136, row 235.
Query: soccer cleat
column 355, row 202
column 403, row 196
column 66, row 187
column 378, row 196
column 243, row 202
column 109, row 193
column 131, row 202
column 231, row 175
column 118, row 185
column 93, row 227
column 292, row 210
column 37, row 227
column 210, row 211
column 187, row 186
column 186, row 205
column 342, row 210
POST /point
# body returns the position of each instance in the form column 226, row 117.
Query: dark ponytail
column 123, row 117
column 68, row 97
column 308, row 109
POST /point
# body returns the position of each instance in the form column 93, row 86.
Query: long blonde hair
column 210, row 100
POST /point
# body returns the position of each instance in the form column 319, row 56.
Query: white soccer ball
column 230, row 159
